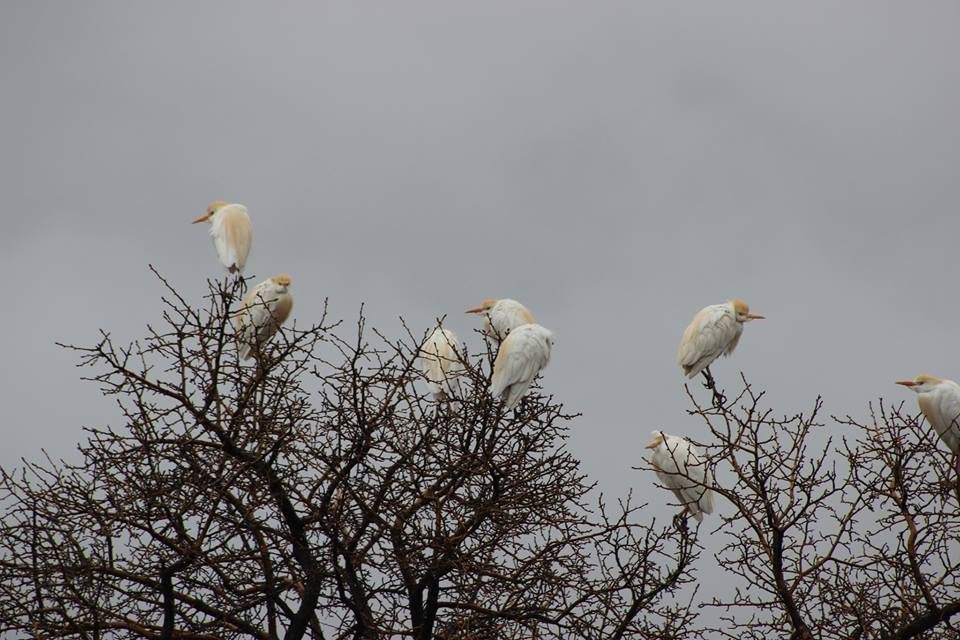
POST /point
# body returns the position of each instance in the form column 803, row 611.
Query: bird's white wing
column 222, row 244
column 949, row 405
column 682, row 469
column 273, row 314
column 706, row 497
column 712, row 331
column 515, row 393
column 537, row 342
column 440, row 361
column 668, row 472
column 698, row 492
column 259, row 316
column 241, row 317
column 232, row 236
column 521, row 357
column 261, row 327
column 255, row 320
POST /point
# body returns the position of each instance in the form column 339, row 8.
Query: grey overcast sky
column 613, row 165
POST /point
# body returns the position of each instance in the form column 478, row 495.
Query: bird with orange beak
column 682, row 468
column 231, row 231
column 502, row 316
column 939, row 401
column 713, row 332
column 263, row 310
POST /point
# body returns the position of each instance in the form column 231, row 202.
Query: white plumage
column 522, row 356
column 502, row 316
column 263, row 310
column 441, row 360
column 939, row 401
column 681, row 467
column 232, row 233
column 713, row 332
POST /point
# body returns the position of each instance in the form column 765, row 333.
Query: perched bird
column 502, row 316
column 682, row 468
column 524, row 353
column 264, row 309
column 715, row 330
column 939, row 401
column 231, row 231
column 441, row 360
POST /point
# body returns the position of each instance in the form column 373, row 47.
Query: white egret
column 714, row 331
column 231, row 231
column 522, row 356
column 939, row 401
column 441, row 358
column 263, row 310
column 681, row 467
column 502, row 316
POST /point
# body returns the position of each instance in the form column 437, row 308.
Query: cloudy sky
column 613, row 165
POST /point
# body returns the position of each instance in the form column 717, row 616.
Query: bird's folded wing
column 709, row 333
column 949, row 429
column 523, row 359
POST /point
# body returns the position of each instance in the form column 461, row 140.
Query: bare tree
column 320, row 492
column 849, row 531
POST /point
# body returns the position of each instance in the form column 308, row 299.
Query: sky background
column 615, row 166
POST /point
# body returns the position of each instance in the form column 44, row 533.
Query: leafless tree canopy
column 321, row 492
column 842, row 530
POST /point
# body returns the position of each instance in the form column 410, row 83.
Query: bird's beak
column 907, row 383
column 474, row 310
column 202, row 218
column 653, row 444
column 753, row 316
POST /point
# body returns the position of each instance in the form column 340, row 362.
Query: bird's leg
column 956, row 460
column 226, row 289
column 520, row 408
column 680, row 520
column 719, row 400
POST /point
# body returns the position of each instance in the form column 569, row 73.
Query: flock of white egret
column 524, row 351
